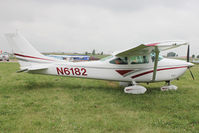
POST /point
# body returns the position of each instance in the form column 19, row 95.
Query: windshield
column 153, row 57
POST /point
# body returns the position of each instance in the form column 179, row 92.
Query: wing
column 145, row 49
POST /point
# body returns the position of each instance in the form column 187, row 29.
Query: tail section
column 25, row 52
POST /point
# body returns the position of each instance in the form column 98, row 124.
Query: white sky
column 104, row 25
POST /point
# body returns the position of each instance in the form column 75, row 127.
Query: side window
column 121, row 61
column 138, row 60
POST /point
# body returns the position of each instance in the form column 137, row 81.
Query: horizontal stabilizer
column 34, row 68
column 22, row 70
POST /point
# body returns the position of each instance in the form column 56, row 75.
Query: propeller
column 188, row 60
column 188, row 53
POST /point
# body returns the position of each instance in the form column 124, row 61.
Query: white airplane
column 141, row 64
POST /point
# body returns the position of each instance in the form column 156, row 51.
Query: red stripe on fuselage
column 32, row 57
column 122, row 72
column 141, row 74
column 152, row 44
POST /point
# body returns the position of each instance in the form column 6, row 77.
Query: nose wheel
column 135, row 89
column 168, row 86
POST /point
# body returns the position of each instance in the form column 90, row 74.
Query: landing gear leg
column 135, row 89
column 168, row 86
column 168, row 83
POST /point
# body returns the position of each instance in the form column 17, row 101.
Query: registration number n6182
column 71, row 71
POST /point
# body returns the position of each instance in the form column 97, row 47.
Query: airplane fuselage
column 168, row 69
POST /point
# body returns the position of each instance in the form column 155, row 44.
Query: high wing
column 146, row 49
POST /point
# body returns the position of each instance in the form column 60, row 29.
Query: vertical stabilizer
column 24, row 51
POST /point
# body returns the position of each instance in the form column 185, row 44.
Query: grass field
column 38, row 103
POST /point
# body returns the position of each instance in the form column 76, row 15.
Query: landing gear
column 124, row 84
column 135, row 89
column 168, row 86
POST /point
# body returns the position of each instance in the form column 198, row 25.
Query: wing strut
column 155, row 62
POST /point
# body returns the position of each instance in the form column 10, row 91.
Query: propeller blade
column 191, row 73
column 188, row 53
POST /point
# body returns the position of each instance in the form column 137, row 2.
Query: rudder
column 25, row 52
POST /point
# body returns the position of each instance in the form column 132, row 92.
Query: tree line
column 94, row 53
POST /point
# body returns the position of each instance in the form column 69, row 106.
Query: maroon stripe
column 31, row 57
column 122, row 72
column 141, row 74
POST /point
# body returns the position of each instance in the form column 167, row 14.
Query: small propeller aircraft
column 141, row 64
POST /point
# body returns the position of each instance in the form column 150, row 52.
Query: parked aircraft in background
column 4, row 56
column 141, row 64
column 195, row 61
column 71, row 57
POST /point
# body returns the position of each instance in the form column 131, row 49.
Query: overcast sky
column 104, row 25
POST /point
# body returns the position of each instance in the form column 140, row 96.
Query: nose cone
column 190, row 64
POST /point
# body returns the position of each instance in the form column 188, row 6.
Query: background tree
column 198, row 56
column 93, row 52
column 193, row 56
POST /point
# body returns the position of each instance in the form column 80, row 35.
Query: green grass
column 39, row 103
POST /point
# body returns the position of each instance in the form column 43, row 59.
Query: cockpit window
column 131, row 60
column 138, row 59
column 153, row 57
column 121, row 61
